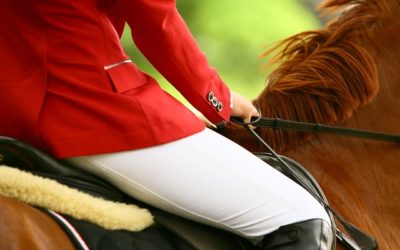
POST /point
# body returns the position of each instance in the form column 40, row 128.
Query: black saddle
column 170, row 231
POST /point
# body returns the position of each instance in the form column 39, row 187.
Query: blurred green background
column 233, row 34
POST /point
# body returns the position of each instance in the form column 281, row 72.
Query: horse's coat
column 24, row 227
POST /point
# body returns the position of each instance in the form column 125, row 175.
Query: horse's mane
column 325, row 75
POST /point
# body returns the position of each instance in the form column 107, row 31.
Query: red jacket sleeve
column 116, row 18
column 163, row 37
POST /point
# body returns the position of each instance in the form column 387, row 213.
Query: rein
column 316, row 128
column 362, row 241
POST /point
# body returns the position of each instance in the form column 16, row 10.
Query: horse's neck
column 384, row 111
column 361, row 177
column 381, row 114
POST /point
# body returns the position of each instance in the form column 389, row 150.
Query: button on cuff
column 214, row 101
column 220, row 106
column 210, row 96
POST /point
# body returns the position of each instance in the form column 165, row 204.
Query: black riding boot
column 315, row 234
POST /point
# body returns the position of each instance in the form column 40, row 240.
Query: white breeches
column 208, row 178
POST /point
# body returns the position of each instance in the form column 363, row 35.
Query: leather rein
column 316, row 128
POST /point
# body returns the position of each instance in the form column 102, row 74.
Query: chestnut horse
column 347, row 73
column 332, row 76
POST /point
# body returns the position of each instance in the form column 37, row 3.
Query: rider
column 69, row 89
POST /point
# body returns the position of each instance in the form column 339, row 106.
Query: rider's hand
column 243, row 108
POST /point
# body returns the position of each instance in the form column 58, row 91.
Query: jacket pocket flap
column 126, row 76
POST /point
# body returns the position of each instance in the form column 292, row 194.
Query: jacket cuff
column 220, row 101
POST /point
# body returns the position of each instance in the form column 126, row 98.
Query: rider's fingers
column 249, row 115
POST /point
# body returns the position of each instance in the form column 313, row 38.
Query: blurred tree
column 233, row 34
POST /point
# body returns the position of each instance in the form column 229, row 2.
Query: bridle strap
column 277, row 123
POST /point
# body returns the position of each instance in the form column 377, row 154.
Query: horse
column 23, row 228
column 345, row 73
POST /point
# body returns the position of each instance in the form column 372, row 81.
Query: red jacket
column 68, row 88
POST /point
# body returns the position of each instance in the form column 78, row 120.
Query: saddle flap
column 201, row 236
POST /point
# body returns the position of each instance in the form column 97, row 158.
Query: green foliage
column 233, row 34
